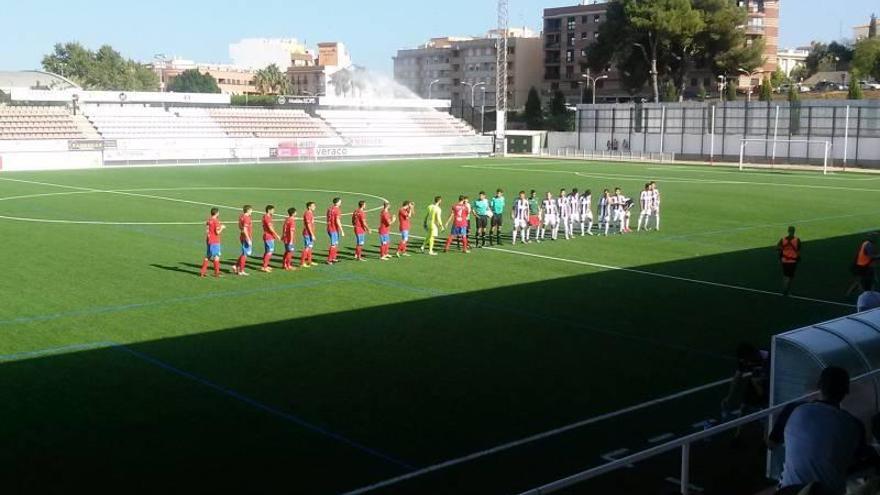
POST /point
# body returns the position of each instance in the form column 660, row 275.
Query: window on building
column 569, row 56
column 570, row 23
column 583, row 52
column 584, row 19
column 571, row 39
column 596, row 35
column 596, row 18
column 584, row 35
column 569, row 71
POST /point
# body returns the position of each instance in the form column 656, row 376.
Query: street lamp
column 722, row 83
column 483, row 111
column 431, row 85
column 592, row 81
column 751, row 75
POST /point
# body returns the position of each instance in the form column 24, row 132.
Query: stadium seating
column 42, row 122
column 269, row 123
column 386, row 123
column 146, row 122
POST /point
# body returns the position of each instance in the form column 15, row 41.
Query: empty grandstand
column 265, row 123
column 42, row 122
column 141, row 121
column 90, row 128
column 394, row 123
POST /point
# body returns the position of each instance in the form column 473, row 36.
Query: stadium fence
column 713, row 131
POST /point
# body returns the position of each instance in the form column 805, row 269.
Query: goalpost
column 769, row 147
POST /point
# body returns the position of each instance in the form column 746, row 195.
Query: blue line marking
column 201, row 297
column 264, row 407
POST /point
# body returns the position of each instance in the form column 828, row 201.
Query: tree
column 342, row 82
column 766, row 91
column 799, row 73
column 193, row 81
column 778, row 78
column 670, row 93
column 662, row 24
column 534, row 114
column 654, row 40
column 560, row 118
column 730, row 90
column 105, row 69
column 271, row 81
column 866, row 58
column 702, row 94
column 855, row 89
column 794, row 95
column 826, row 58
column 722, row 45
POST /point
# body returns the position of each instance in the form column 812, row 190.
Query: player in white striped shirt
column 586, row 212
column 604, row 211
column 574, row 200
column 563, row 204
column 656, row 205
column 520, row 216
column 549, row 218
column 646, row 203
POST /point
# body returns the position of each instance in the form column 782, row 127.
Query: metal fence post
column 809, row 131
column 846, row 136
column 858, row 134
column 685, row 487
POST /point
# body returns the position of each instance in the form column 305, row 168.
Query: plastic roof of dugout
column 799, row 356
column 851, row 342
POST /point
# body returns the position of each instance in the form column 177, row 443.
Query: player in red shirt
column 334, row 229
column 287, row 237
column 403, row 216
column 385, row 222
column 308, row 235
column 361, row 229
column 459, row 219
column 213, row 229
column 269, row 238
column 246, row 237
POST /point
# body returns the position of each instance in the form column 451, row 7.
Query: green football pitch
column 121, row 367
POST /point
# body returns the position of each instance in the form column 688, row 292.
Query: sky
column 201, row 30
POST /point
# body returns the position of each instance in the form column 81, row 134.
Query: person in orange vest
column 863, row 266
column 789, row 248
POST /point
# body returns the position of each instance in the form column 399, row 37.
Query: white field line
column 135, row 193
column 668, row 277
column 682, row 181
column 533, row 438
column 521, row 253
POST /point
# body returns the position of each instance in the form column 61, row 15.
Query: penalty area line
column 670, row 277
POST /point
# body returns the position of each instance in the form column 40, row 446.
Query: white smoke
column 360, row 83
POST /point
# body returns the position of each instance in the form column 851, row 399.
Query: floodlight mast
column 501, row 78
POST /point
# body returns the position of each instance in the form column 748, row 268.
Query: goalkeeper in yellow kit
column 433, row 225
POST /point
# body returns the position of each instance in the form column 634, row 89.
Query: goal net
column 764, row 152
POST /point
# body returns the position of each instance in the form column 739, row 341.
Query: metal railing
column 683, row 444
column 609, row 155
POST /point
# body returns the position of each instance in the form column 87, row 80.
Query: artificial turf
column 123, row 368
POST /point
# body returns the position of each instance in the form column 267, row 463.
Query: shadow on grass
column 327, row 403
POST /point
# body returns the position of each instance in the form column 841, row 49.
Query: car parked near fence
column 829, row 86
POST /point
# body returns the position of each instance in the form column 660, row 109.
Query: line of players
column 565, row 211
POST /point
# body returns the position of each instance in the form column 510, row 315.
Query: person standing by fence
column 789, row 248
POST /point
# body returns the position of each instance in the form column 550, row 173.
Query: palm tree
column 271, row 81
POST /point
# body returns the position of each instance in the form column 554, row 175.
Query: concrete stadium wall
column 58, row 155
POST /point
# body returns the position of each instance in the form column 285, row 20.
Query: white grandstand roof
column 28, row 79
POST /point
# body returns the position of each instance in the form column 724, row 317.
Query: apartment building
column 569, row 32
column 451, row 67
column 232, row 79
